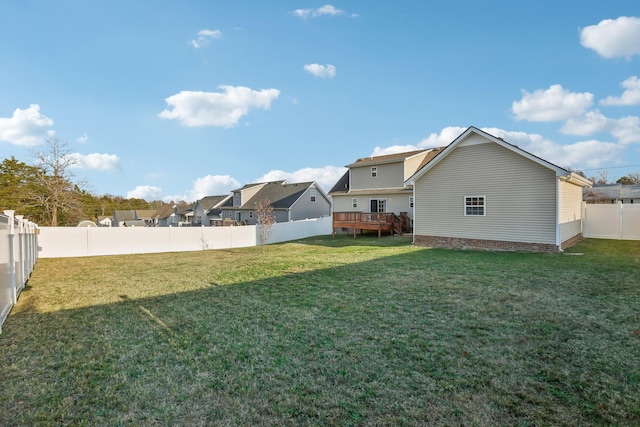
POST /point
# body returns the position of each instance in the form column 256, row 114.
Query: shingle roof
column 280, row 194
column 210, row 201
column 163, row 211
column 342, row 186
column 387, row 158
column 144, row 213
column 125, row 215
column 612, row 192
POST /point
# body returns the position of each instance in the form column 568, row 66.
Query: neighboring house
column 208, row 209
column 290, row 202
column 132, row 218
column 146, row 215
column 104, row 221
column 482, row 192
column 377, row 184
column 164, row 216
column 121, row 216
column 612, row 193
column 183, row 215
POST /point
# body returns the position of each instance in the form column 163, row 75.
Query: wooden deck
column 381, row 222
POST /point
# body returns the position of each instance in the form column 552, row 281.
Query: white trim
column 479, row 197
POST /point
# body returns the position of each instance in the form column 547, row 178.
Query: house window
column 313, row 194
column 410, row 202
column 378, row 205
column 354, row 203
column 251, row 214
column 374, row 172
column 474, row 205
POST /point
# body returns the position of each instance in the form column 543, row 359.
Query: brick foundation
column 496, row 245
column 572, row 241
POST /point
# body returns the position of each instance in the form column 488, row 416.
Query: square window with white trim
column 475, row 205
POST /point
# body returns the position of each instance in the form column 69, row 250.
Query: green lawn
column 362, row 331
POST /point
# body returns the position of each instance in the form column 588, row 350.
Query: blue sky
column 178, row 100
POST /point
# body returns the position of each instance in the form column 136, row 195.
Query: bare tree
column 602, row 178
column 265, row 220
column 59, row 194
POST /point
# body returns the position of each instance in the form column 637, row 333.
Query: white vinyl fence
column 58, row 242
column 18, row 255
column 611, row 221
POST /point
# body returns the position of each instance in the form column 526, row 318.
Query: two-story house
column 290, row 202
column 208, row 210
column 377, row 184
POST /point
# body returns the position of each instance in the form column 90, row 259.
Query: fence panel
column 18, row 255
column 286, row 231
column 59, row 242
column 611, row 221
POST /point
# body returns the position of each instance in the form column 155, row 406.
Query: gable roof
column 144, row 213
column 387, row 158
column 281, row 194
column 124, row 215
column 163, row 211
column 563, row 173
column 209, row 202
column 342, row 186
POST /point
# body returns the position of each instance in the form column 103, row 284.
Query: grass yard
column 328, row 332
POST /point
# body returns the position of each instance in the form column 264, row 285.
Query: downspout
column 413, row 214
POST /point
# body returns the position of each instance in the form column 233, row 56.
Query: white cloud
column 326, row 10
column 627, row 130
column 205, row 37
column 26, row 127
column 96, row 161
column 82, row 139
column 577, row 155
column 325, row 177
column 553, row 104
column 321, row 70
column 613, row 37
column 146, row 192
column 445, row 137
column 220, row 109
column 587, row 124
column 630, row 96
column 212, row 185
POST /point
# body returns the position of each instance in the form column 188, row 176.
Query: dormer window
column 374, row 171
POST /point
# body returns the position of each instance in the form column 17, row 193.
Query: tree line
column 47, row 192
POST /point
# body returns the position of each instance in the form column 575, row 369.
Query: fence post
column 12, row 256
column 20, row 274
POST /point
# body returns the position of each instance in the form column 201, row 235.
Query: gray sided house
column 120, row 217
column 377, row 184
column 482, row 192
column 290, row 202
column 612, row 193
column 172, row 215
column 208, row 210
